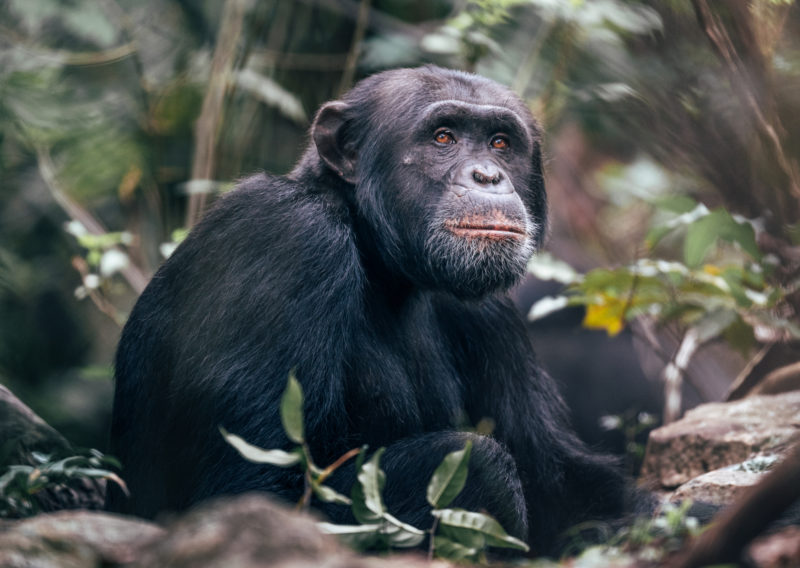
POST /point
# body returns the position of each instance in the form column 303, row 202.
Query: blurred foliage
column 20, row 484
column 673, row 135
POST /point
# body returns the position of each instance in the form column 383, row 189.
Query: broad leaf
column 257, row 455
column 367, row 497
column 475, row 529
column 703, row 233
column 401, row 535
column 292, row 410
column 546, row 306
column 359, row 537
column 449, row 478
column 545, row 267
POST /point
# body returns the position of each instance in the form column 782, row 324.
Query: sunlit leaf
column 359, row 537
column 545, row 267
column 292, row 410
column 400, row 534
column 449, row 478
column 474, row 529
column 257, row 455
column 367, row 493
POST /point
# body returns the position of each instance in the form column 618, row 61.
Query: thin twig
column 741, row 385
column 132, row 273
column 97, row 298
column 735, row 67
column 337, row 464
column 355, row 47
column 431, row 545
column 673, row 375
column 528, row 65
column 210, row 120
column 305, row 500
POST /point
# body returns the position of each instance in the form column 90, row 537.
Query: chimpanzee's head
column 444, row 169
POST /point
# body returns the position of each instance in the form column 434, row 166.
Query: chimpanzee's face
column 447, row 172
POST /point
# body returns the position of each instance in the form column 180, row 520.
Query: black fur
column 355, row 270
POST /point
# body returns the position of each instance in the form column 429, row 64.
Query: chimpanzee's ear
column 328, row 134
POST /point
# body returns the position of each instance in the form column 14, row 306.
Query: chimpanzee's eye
column 500, row 143
column 444, row 136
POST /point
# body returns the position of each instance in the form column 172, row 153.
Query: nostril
column 479, row 177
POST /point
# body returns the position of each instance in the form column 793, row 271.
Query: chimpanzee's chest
column 402, row 377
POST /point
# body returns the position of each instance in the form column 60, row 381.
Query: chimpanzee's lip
column 487, row 229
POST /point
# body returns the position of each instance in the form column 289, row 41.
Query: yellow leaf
column 712, row 270
column 608, row 315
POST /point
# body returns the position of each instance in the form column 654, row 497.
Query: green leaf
column 451, row 550
column 700, row 237
column 401, row 535
column 676, row 203
column 704, row 232
column 733, row 278
column 655, row 235
column 359, row 537
column 329, row 495
column 449, row 478
column 292, row 410
column 367, row 497
column 475, row 530
column 257, row 455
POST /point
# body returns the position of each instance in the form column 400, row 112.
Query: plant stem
column 431, row 544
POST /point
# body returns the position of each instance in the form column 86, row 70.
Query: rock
column 780, row 550
column 25, row 433
column 247, row 531
column 725, row 485
column 783, row 379
column 251, row 531
column 73, row 538
column 716, row 435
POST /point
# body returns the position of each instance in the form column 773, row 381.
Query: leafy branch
column 19, row 484
column 722, row 288
column 454, row 534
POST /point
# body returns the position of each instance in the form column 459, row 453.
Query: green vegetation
column 20, row 484
column 672, row 137
column 455, row 534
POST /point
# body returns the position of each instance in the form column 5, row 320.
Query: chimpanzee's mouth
column 477, row 227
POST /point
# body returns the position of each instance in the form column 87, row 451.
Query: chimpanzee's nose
column 485, row 177
column 487, row 174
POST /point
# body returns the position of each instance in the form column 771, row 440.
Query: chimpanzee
column 379, row 270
